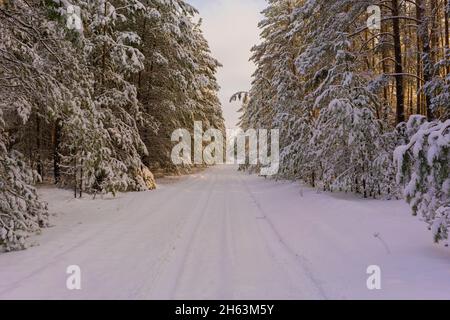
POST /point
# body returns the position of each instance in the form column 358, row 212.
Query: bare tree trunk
column 81, row 179
column 75, row 177
column 419, row 82
column 423, row 33
column 434, row 35
column 104, row 49
column 398, row 63
column 57, row 151
column 40, row 169
column 384, row 56
column 447, row 28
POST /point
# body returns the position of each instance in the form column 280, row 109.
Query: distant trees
column 93, row 109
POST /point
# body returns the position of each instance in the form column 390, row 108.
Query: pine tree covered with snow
column 110, row 53
column 111, row 88
column 178, row 80
column 84, row 107
column 311, row 84
column 339, row 91
column 21, row 212
column 29, row 89
column 350, row 146
column 439, row 88
column 423, row 169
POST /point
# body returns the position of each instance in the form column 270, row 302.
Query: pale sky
column 231, row 28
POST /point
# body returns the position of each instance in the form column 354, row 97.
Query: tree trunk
column 384, row 56
column 104, row 49
column 434, row 32
column 398, row 64
column 419, row 82
column 81, row 179
column 40, row 169
column 447, row 35
column 57, row 151
column 423, row 34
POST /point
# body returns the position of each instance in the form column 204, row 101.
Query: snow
column 223, row 234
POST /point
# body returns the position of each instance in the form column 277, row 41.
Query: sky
column 231, row 28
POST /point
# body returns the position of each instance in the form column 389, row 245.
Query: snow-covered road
column 221, row 234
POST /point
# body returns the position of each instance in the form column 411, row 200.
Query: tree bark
column 57, row 151
column 38, row 147
column 423, row 35
column 398, row 63
column 419, row 82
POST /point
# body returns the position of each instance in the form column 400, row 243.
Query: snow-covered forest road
column 222, row 234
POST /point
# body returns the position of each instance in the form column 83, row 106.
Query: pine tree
column 21, row 211
column 424, row 171
column 111, row 160
column 22, row 63
column 178, row 80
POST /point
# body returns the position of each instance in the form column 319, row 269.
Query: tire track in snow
column 107, row 227
column 148, row 288
column 169, row 280
column 298, row 259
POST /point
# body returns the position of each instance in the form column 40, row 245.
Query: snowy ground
column 221, row 234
